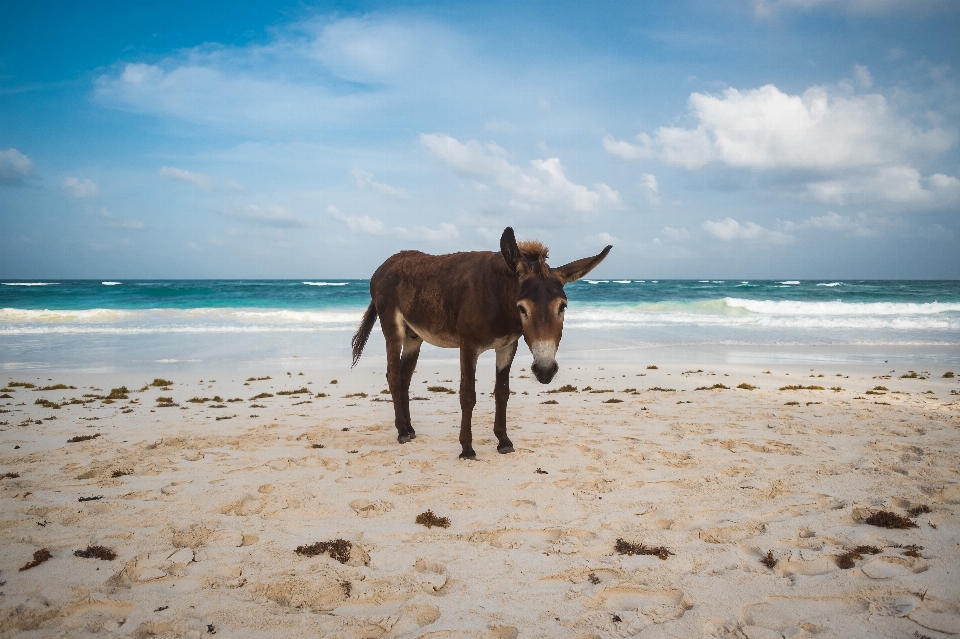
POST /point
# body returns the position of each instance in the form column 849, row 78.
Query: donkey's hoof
column 503, row 450
column 403, row 439
column 468, row 454
column 411, row 434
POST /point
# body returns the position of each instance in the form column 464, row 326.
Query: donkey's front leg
column 468, row 399
column 501, row 393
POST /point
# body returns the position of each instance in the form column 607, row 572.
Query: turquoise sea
column 106, row 325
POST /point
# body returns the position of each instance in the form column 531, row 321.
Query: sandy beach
column 205, row 504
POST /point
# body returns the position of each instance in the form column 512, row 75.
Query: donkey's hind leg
column 408, row 364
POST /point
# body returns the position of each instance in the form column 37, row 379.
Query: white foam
column 790, row 282
column 622, row 281
column 110, row 283
column 836, row 307
column 831, row 284
column 30, row 283
column 326, row 283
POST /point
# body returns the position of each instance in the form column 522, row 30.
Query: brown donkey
column 473, row 301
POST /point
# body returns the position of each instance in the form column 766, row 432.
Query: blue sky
column 722, row 138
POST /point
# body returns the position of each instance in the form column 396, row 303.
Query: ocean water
column 103, row 325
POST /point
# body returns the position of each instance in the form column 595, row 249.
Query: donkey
column 474, row 301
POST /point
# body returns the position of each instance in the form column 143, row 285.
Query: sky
column 702, row 139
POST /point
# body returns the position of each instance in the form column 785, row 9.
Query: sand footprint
column 365, row 508
column 432, row 576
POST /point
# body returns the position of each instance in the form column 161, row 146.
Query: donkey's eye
column 523, row 311
column 562, row 308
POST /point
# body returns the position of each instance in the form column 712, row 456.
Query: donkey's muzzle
column 545, row 373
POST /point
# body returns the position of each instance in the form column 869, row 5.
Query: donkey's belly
column 442, row 340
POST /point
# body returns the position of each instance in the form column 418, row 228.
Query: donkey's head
column 542, row 302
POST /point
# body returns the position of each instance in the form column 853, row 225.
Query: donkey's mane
column 534, row 251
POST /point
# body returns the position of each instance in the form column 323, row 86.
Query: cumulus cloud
column 266, row 215
column 365, row 180
column 81, row 188
column 852, row 145
column 198, row 180
column 729, row 229
column 544, row 185
column 367, row 225
column 15, row 167
column 627, row 151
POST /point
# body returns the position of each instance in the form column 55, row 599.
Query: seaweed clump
column 769, row 560
column 159, row 381
column 801, row 387
column 613, row 400
column 82, row 438
column 714, row 387
column 846, row 560
column 441, row 389
column 430, row 520
column 39, row 557
column 338, row 549
column 298, row 391
column 887, row 519
column 746, row 386
column 628, row 548
column 550, row 401
column 566, row 388
column 96, row 552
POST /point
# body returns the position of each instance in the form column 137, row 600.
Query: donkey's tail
column 363, row 333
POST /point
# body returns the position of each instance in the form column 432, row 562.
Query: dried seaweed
column 93, row 498
column 39, row 557
column 82, row 438
column 801, row 387
column 592, row 578
column 628, row 548
column 317, row 446
column 441, row 389
column 916, row 511
column 121, row 473
column 663, row 390
column 887, row 519
column 912, row 550
column 652, row 367
column 566, row 388
column 846, row 560
column 550, row 401
column 56, row 387
column 299, row 391
column 338, row 549
column 769, row 560
column 746, row 386
column 540, row 471
column 257, row 379
column 96, row 552
column 430, row 520
column 714, row 387
column 159, row 381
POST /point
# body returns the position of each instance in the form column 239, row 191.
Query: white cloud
column 846, row 147
column 372, row 226
column 15, row 167
column 729, row 229
column 648, row 184
column 365, row 179
column 81, row 188
column 862, row 73
column 233, row 185
column 544, row 185
column 266, row 215
column 198, row 180
column 627, row 151
column 606, row 238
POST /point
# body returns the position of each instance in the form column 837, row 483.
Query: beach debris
column 592, row 578
column 56, row 387
column 430, row 520
column 39, row 557
column 769, row 560
column 258, row 379
column 82, row 438
column 355, row 395
column 94, row 498
column 320, row 395
column 948, row 375
column 540, row 471
column 211, row 629
column 121, row 472
column 627, row 548
column 887, row 519
column 46, row 403
column 338, row 549
column 9, row 475
column 746, row 386
column 912, row 375
column 441, row 389
column 161, row 608
column 714, row 387
column 566, row 388
column 20, row 385
column 333, row 381
column 653, row 367
column 911, row 550
column 159, row 382
column 317, row 446
column 613, row 400
column 165, row 402
column 298, row 391
column 801, row 387
column 96, row 552
column 261, row 396
column 836, row 389
column 916, row 511
column 846, row 560
column 663, row 390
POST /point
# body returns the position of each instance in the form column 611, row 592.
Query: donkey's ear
column 575, row 270
column 510, row 250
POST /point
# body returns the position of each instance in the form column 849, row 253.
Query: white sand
column 206, row 525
